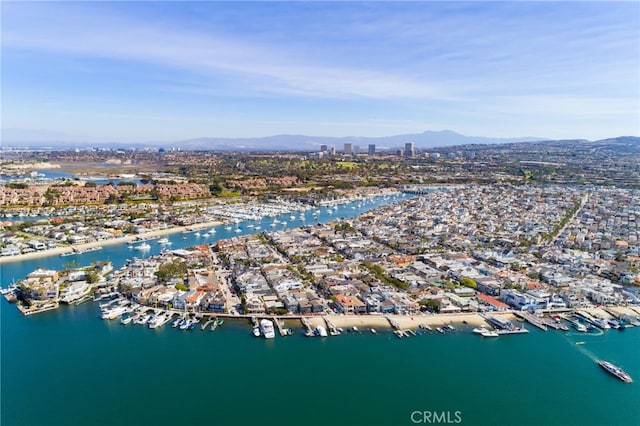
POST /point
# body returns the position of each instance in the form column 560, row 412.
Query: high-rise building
column 323, row 148
column 372, row 149
column 356, row 149
column 408, row 149
column 347, row 149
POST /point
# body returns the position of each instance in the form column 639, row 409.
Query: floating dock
column 280, row 324
column 307, row 324
column 531, row 319
column 333, row 330
column 503, row 326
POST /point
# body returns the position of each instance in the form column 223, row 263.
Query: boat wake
column 580, row 344
column 593, row 333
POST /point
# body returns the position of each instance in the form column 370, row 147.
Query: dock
column 215, row 324
column 556, row 325
column 44, row 308
column 394, row 324
column 333, row 330
column 307, row 324
column 399, row 331
column 206, row 324
column 502, row 326
column 531, row 319
column 280, row 324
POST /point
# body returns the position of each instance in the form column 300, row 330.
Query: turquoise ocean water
column 68, row 367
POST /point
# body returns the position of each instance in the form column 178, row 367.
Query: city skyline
column 147, row 71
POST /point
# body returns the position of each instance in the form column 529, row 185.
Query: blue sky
column 161, row 71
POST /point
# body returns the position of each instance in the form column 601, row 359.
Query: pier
column 502, row 326
column 204, row 326
column 36, row 310
column 531, row 319
column 280, row 324
column 399, row 331
column 333, row 330
column 307, row 324
column 556, row 325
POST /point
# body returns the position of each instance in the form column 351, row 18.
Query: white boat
column 256, row 331
column 373, row 331
column 143, row 246
column 480, row 330
column 266, row 327
column 164, row 240
column 212, row 230
column 114, row 313
column 320, row 331
column 489, row 333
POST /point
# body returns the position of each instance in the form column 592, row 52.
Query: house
column 350, row 304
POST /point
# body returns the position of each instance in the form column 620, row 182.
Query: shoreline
column 109, row 242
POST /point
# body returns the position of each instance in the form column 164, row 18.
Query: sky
column 162, row 71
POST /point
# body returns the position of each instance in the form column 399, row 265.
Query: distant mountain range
column 428, row 139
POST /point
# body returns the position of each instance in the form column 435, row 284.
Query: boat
column 114, row 313
column 143, row 246
column 480, row 330
column 126, row 319
column 578, row 326
column 256, row 331
column 164, row 241
column 354, row 329
column 176, row 322
column 449, row 327
column 579, row 343
column 320, row 331
column 439, row 330
column 616, row 371
column 489, row 333
column 373, row 331
column 266, row 327
column 220, row 321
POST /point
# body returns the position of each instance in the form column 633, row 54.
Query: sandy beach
column 113, row 241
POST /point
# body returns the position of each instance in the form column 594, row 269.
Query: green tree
column 468, row 282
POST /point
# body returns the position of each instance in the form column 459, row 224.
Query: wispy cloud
column 264, row 67
column 326, row 63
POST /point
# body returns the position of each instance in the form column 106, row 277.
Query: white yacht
column 143, row 246
column 164, row 241
column 320, row 331
column 266, row 327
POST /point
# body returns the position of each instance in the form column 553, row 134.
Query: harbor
column 533, row 355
